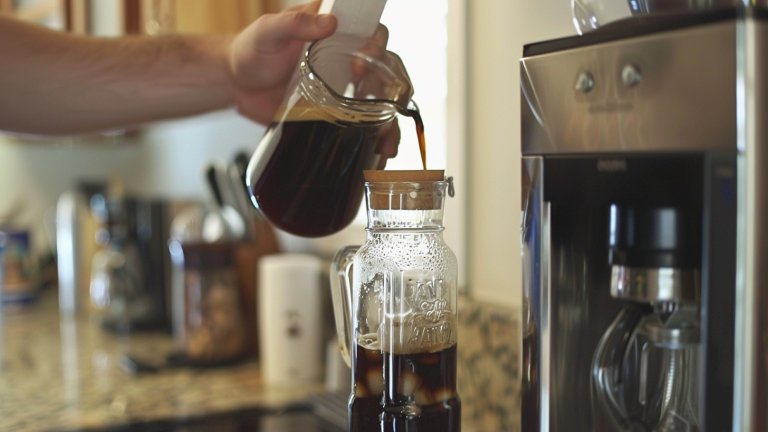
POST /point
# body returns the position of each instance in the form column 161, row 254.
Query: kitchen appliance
column 644, row 368
column 130, row 276
column 290, row 319
column 644, row 244
column 396, row 314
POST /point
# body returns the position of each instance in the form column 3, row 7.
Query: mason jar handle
column 341, row 291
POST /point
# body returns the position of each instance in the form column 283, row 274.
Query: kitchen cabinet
column 46, row 12
column 202, row 16
column 149, row 17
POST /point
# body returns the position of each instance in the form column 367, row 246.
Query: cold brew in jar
column 404, row 391
column 401, row 332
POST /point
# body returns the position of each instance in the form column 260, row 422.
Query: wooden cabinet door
column 203, row 16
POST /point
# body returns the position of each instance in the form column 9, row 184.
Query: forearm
column 52, row 83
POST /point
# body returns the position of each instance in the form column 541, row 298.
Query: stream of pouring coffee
column 416, row 115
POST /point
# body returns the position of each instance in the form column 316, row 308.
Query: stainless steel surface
column 742, row 376
column 655, row 284
column 547, row 390
column 631, row 76
column 585, row 82
column 566, row 306
column 702, row 91
column 751, row 391
column 683, row 71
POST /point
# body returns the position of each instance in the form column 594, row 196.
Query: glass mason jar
column 397, row 314
column 645, row 373
column 214, row 324
column 306, row 174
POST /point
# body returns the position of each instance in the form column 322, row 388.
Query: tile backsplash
column 489, row 367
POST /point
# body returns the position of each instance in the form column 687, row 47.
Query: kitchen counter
column 61, row 373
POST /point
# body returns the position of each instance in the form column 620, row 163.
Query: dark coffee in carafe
column 405, row 392
column 312, row 185
column 306, row 174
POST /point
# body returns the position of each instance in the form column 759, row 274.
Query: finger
column 388, row 144
column 381, row 36
column 275, row 31
column 259, row 106
column 375, row 47
column 391, row 141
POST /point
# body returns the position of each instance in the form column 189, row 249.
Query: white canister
column 290, row 319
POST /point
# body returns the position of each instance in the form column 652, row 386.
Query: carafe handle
column 607, row 362
column 341, row 291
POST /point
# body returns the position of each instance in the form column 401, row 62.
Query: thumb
column 275, row 31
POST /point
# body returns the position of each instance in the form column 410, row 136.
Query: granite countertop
column 60, row 373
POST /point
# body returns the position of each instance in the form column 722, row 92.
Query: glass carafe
column 644, row 376
column 397, row 313
column 306, row 175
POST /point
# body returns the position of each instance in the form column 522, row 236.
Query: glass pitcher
column 645, row 372
column 306, row 175
column 397, row 314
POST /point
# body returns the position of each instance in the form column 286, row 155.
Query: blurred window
column 418, row 33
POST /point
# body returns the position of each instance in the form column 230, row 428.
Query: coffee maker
column 644, row 150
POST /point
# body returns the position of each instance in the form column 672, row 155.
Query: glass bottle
column 397, row 314
column 213, row 317
column 644, row 375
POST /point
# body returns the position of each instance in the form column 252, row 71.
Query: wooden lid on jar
column 395, row 198
column 414, row 176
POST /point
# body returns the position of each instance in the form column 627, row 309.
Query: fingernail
column 324, row 20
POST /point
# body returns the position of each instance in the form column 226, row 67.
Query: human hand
column 389, row 139
column 264, row 55
column 388, row 143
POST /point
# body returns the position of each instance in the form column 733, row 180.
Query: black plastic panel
column 718, row 297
